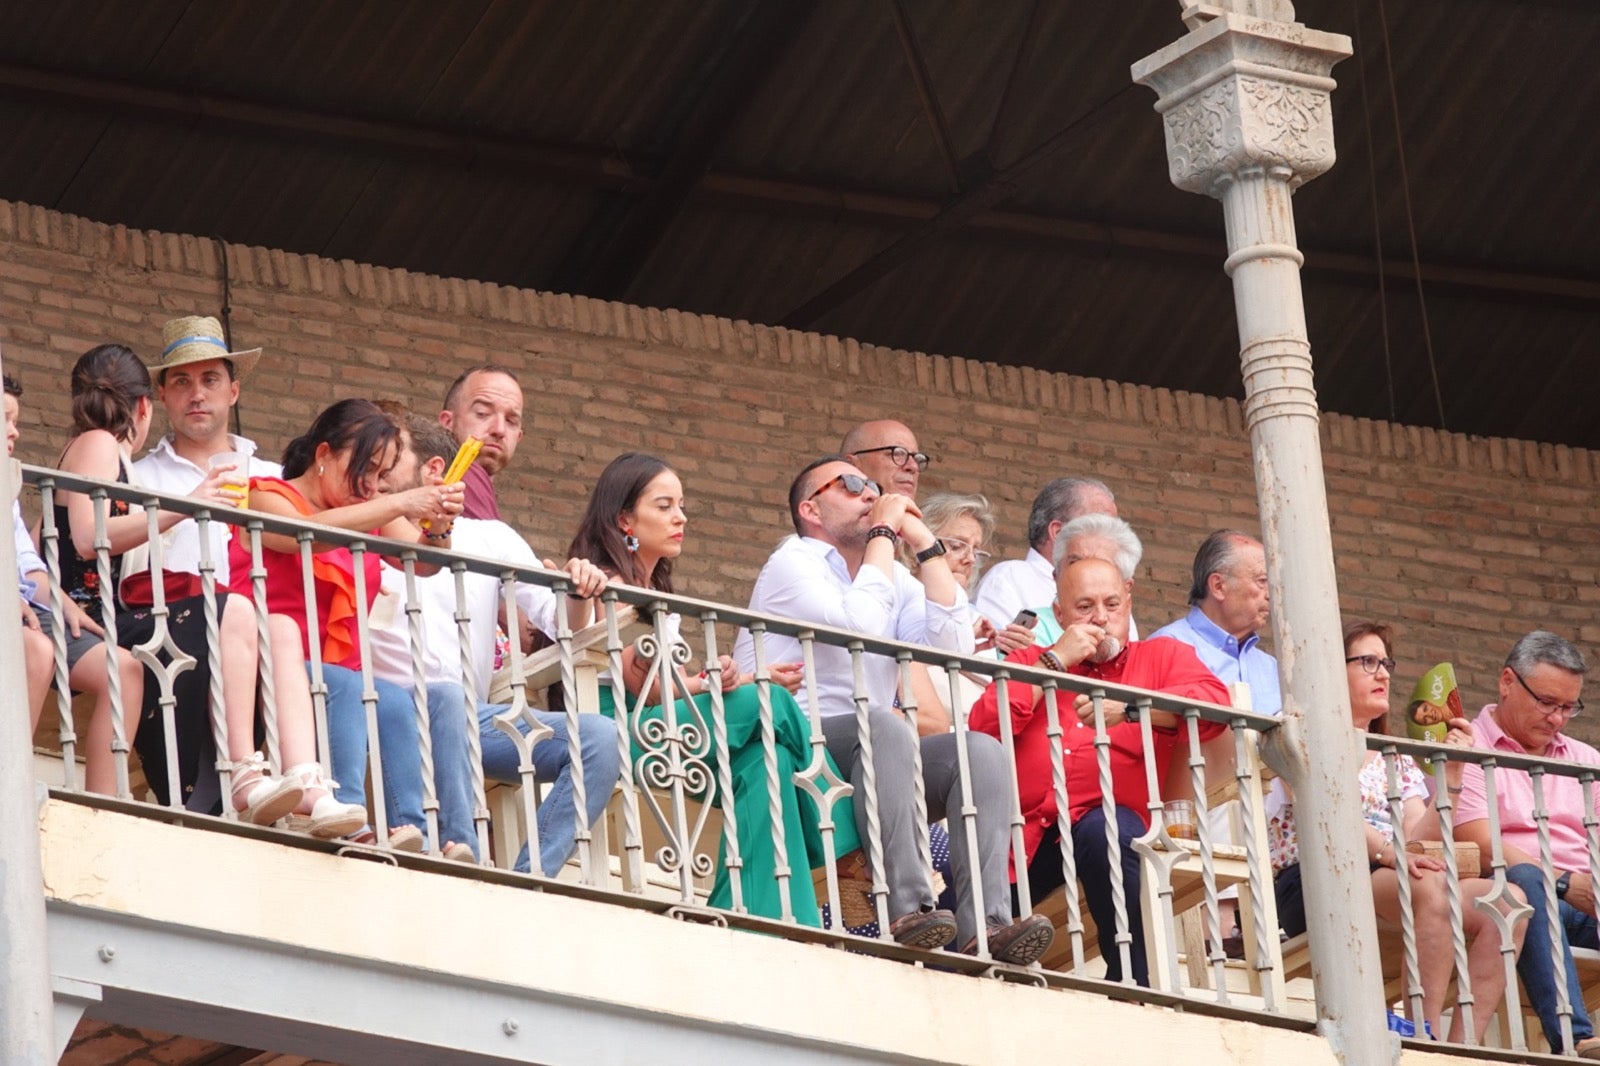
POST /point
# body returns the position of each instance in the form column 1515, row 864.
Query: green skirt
column 801, row 816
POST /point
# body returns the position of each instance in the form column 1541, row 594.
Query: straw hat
column 195, row 339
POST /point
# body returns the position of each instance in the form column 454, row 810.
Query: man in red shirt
column 1093, row 605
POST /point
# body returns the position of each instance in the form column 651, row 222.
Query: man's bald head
column 872, row 445
column 1094, row 591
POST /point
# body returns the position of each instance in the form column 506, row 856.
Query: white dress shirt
column 1013, row 585
column 1025, row 583
column 441, row 651
column 808, row 579
column 164, row 470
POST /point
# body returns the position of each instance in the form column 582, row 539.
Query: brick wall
column 1464, row 542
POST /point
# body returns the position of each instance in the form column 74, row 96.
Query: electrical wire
column 1411, row 224
column 1377, row 221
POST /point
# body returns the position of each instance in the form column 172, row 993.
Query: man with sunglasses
column 1540, row 688
column 840, row 571
column 886, row 451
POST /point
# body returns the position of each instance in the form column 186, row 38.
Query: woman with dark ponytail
column 111, row 413
column 334, row 474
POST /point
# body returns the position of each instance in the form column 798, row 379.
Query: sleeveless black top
column 80, row 578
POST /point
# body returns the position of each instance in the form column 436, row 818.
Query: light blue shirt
column 1231, row 660
column 28, row 560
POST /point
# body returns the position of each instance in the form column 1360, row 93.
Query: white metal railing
column 676, row 760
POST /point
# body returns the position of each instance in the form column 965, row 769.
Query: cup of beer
column 239, row 477
column 1178, row 815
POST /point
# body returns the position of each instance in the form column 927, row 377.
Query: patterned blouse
column 1283, row 842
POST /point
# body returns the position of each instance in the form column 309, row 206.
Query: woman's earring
column 630, row 541
column 319, row 469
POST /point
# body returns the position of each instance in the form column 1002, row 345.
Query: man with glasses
column 840, row 571
column 886, row 451
column 1540, row 689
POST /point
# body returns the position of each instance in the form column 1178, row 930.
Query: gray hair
column 1543, row 648
column 942, row 508
column 1127, row 553
column 1218, row 554
column 1061, row 500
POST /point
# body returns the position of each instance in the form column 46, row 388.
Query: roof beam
column 106, row 96
column 926, row 93
column 955, row 213
column 594, row 168
column 614, row 248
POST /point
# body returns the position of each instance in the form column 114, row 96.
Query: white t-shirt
column 441, row 653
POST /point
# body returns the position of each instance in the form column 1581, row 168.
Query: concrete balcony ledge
column 225, row 937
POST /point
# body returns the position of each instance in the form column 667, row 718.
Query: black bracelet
column 1053, row 661
column 428, row 534
column 884, row 531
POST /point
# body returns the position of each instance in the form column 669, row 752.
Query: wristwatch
column 932, row 551
column 1563, row 883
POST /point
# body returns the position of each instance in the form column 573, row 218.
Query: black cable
column 1377, row 222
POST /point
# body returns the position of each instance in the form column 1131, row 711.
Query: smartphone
column 1026, row 618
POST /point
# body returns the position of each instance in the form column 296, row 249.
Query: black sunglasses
column 854, row 484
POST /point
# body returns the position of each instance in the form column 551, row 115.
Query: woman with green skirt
column 633, row 529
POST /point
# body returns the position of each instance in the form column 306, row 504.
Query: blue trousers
column 1045, row 875
column 1535, row 965
column 399, row 755
column 552, row 762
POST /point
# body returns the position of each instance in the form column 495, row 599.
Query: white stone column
column 1244, row 98
column 25, row 1004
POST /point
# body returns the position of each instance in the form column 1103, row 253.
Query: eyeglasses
column 1370, row 663
column 899, row 455
column 958, row 547
column 1566, row 710
column 854, row 484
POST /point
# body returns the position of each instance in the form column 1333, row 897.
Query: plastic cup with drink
column 1178, row 815
column 237, row 479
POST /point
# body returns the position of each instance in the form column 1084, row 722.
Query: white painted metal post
column 25, row 1006
column 1244, row 99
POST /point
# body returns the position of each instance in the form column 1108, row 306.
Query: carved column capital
column 1241, row 92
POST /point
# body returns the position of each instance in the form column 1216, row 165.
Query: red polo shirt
column 1162, row 664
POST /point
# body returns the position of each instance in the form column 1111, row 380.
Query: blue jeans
column 558, row 828
column 452, row 763
column 1536, row 967
column 399, row 756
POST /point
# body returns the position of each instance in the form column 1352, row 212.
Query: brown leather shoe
column 924, row 929
column 1588, row 1049
column 1018, row 944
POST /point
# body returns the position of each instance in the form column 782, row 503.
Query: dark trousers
column 1045, row 875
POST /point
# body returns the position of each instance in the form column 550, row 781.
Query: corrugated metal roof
column 739, row 157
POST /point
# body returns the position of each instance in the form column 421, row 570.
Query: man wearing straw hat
column 197, row 381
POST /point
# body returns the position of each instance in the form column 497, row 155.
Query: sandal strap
column 310, row 774
column 249, row 770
